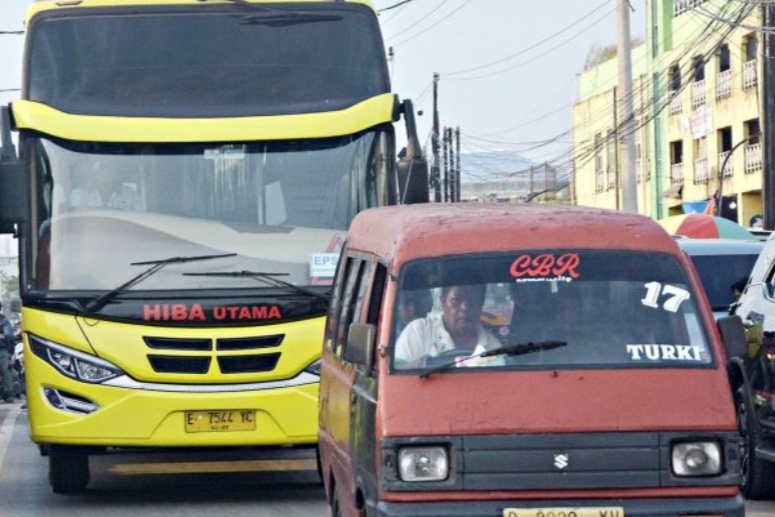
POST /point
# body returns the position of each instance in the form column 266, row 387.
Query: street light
column 719, row 208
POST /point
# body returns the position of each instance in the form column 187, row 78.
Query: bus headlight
column 696, row 459
column 314, row 368
column 74, row 364
column 423, row 463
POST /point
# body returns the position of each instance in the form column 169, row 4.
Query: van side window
column 377, row 292
column 349, row 301
column 335, row 307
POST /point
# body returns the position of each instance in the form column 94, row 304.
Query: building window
column 612, row 161
column 725, row 147
column 599, row 165
column 750, row 69
column 698, row 85
column 724, row 74
column 753, row 146
column 674, row 79
column 676, row 162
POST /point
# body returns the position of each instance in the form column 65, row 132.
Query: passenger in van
column 413, row 305
column 456, row 330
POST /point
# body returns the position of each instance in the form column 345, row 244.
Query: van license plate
column 220, row 421
column 609, row 511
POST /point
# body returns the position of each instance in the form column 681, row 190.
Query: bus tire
column 68, row 469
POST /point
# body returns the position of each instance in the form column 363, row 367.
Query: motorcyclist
column 7, row 348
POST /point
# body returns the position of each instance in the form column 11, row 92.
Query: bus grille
column 200, row 364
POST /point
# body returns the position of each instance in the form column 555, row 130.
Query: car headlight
column 423, row 463
column 696, row 459
column 72, row 363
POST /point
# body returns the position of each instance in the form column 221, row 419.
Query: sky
column 508, row 68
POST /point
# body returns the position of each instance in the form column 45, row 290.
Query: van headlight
column 696, row 459
column 74, row 364
column 423, row 463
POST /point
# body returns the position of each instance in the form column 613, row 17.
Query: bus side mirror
column 13, row 186
column 733, row 334
column 412, row 167
column 360, row 344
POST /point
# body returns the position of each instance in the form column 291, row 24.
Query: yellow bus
column 182, row 180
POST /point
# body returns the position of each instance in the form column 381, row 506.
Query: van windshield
column 608, row 308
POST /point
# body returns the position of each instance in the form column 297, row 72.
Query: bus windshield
column 266, row 59
column 276, row 205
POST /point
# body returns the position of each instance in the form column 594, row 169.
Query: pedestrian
column 7, row 348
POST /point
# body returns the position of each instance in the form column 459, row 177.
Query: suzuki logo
column 561, row 460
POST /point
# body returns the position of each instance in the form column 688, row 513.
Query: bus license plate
column 611, row 511
column 220, row 421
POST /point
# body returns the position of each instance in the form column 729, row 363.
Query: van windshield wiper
column 510, row 350
column 269, row 278
column 100, row 302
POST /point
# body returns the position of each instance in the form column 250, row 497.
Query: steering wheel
column 448, row 356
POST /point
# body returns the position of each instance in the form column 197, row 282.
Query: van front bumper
column 658, row 507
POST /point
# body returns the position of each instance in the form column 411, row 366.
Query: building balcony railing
column 701, row 170
column 749, row 74
column 611, row 178
column 676, row 106
column 728, row 168
column 681, row 6
column 699, row 94
column 753, row 158
column 724, row 84
column 677, row 174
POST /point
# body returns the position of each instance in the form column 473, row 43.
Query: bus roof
column 406, row 232
column 41, row 5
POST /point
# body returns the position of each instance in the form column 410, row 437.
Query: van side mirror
column 412, row 167
column 360, row 344
column 733, row 334
column 13, row 186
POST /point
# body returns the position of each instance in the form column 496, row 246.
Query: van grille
column 562, row 461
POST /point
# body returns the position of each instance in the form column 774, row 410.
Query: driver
column 457, row 327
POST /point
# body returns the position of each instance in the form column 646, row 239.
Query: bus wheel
column 68, row 469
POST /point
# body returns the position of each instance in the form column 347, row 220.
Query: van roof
column 412, row 231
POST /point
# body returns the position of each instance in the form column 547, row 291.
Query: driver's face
column 462, row 308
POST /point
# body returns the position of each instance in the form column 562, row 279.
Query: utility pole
column 458, row 186
column 768, row 116
column 446, row 162
column 627, row 126
column 435, row 183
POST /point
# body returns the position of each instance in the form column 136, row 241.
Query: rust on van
column 513, row 360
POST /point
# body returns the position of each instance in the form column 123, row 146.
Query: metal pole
column 768, row 122
column 624, row 43
column 435, row 184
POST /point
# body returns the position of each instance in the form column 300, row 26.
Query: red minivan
column 564, row 362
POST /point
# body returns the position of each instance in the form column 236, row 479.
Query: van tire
column 335, row 507
column 757, row 475
column 68, row 469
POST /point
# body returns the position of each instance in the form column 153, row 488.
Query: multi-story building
column 698, row 79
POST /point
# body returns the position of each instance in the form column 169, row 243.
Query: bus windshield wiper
column 269, row 278
column 279, row 18
column 98, row 303
column 510, row 350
